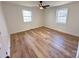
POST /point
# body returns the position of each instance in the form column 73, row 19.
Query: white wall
column 4, row 36
column 14, row 19
column 72, row 26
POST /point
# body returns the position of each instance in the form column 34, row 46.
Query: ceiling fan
column 41, row 6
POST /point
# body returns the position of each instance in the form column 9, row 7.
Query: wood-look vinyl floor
column 43, row 42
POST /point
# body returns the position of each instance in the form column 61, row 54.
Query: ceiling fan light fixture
column 41, row 7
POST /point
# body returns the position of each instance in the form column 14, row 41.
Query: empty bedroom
column 39, row 29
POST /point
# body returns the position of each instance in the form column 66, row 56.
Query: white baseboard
column 63, row 31
column 25, row 30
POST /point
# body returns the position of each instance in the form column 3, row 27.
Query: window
column 61, row 15
column 27, row 16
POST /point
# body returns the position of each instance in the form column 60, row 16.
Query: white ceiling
column 36, row 3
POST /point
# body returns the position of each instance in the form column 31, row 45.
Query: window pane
column 27, row 19
column 26, row 14
column 62, row 12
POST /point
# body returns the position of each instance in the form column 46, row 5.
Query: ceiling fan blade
column 45, row 6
